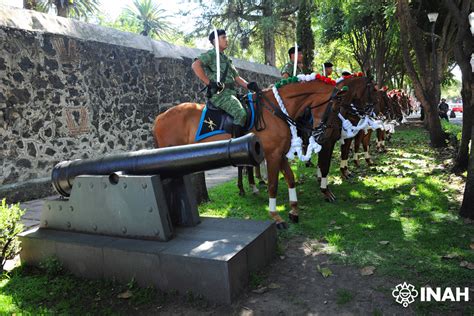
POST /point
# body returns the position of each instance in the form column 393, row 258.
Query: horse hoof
column 262, row 183
column 309, row 164
column 282, row 225
column 242, row 193
column 293, row 218
column 328, row 195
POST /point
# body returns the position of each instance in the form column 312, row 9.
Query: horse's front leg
column 252, row 180
column 258, row 173
column 381, row 141
column 344, row 167
column 365, row 144
column 273, row 169
column 324, row 162
column 240, row 184
column 290, row 181
column 357, row 140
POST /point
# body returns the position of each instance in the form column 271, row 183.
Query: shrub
column 52, row 266
column 455, row 131
column 10, row 227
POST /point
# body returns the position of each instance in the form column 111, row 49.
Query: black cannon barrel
column 167, row 162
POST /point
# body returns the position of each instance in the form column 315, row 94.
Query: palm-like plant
column 67, row 8
column 151, row 17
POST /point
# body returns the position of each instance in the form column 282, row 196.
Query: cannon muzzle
column 167, row 162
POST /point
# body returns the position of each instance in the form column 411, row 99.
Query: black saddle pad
column 215, row 121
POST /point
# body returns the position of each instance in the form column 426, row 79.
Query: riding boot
column 237, row 131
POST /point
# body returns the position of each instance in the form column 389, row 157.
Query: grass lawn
column 399, row 216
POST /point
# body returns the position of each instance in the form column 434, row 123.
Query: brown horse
column 363, row 137
column 275, row 136
column 360, row 94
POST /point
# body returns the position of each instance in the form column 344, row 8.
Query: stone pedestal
column 213, row 259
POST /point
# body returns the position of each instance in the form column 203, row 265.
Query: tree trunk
column 268, row 34
column 462, row 157
column 467, row 207
column 29, row 4
column 463, row 47
column 427, row 88
column 61, row 8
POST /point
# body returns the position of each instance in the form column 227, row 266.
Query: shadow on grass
column 395, row 216
column 34, row 291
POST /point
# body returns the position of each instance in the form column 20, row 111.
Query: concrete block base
column 213, row 259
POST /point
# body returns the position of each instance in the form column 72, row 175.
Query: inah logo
column 405, row 294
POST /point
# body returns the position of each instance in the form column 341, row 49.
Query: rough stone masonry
column 72, row 90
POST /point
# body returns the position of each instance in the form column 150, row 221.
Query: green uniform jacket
column 226, row 100
column 288, row 69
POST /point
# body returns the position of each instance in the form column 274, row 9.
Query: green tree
column 304, row 34
column 65, row 8
column 424, row 70
column 251, row 21
column 368, row 28
column 30, row 4
column 463, row 48
column 150, row 16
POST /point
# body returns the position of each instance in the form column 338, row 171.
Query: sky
column 113, row 8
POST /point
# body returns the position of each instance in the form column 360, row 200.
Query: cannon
column 170, row 162
column 134, row 216
column 142, row 194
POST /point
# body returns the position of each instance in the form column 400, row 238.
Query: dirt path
column 292, row 284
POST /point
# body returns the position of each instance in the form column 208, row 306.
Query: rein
column 304, row 127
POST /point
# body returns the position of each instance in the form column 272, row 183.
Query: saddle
column 215, row 121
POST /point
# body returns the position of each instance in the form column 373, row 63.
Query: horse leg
column 324, row 162
column 365, row 144
column 252, row 180
column 273, row 169
column 290, row 181
column 240, row 184
column 345, row 148
column 258, row 174
column 318, row 172
column 381, row 141
column 356, row 151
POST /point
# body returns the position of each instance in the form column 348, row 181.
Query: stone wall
column 73, row 90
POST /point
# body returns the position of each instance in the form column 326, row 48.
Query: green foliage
column 256, row 28
column 304, row 34
column 10, row 227
column 451, row 88
column 123, row 23
column 408, row 199
column 344, row 296
column 149, row 16
column 80, row 9
column 453, row 130
column 52, row 266
column 31, row 291
column 367, row 29
column 256, row 280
